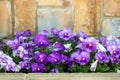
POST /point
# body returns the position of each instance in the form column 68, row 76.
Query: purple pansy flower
column 83, row 58
column 114, row 59
column 22, row 39
column 65, row 59
column 37, row 67
column 66, row 34
column 74, row 56
column 10, row 66
column 20, row 51
column 89, row 44
column 18, row 34
column 103, row 40
column 54, row 31
column 114, row 50
column 55, row 70
column 83, row 35
column 26, row 46
column 41, row 58
column 26, row 57
column 41, row 40
column 2, row 57
column 44, row 32
column 58, row 47
column 25, row 64
column 110, row 48
column 13, row 43
column 101, row 57
column 54, row 58
column 112, row 40
column 75, row 38
column 26, row 33
column 6, row 62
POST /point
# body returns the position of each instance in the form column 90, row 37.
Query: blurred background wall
column 95, row 17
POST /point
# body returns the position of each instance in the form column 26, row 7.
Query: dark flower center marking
column 65, row 34
column 26, row 64
column 114, row 59
column 18, row 51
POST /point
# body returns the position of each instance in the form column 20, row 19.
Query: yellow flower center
column 38, row 69
column 76, row 58
column 41, row 60
column 41, row 43
column 114, row 52
column 55, row 60
column 83, row 59
column 90, row 44
column 101, row 58
column 65, row 34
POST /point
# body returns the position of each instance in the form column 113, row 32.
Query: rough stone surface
column 87, row 16
column 112, row 7
column 63, row 3
column 74, row 76
column 24, row 15
column 111, row 27
column 48, row 2
column 13, row 76
column 66, row 3
column 53, row 17
column 5, row 18
column 60, row 76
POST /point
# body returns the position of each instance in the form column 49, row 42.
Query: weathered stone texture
column 112, row 7
column 13, row 76
column 63, row 3
column 111, row 27
column 24, row 15
column 5, row 18
column 48, row 2
column 87, row 15
column 53, row 17
column 74, row 76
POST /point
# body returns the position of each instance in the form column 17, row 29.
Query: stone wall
column 60, row 76
column 95, row 17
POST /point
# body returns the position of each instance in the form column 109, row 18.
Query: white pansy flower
column 67, row 47
column 81, row 38
column 18, row 67
column 94, row 66
column 101, row 48
column 118, row 71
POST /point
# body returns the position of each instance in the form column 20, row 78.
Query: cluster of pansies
column 59, row 51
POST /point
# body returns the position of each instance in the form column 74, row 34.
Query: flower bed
column 59, row 51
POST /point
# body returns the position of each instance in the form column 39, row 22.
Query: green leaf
column 17, row 59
